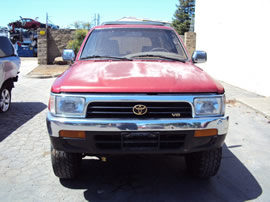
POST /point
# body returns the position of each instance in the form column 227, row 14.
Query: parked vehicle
column 3, row 31
column 133, row 89
column 26, row 23
column 26, row 49
column 52, row 26
column 9, row 69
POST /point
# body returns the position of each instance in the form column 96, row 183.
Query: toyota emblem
column 139, row 110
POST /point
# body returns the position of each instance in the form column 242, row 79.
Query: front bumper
column 56, row 124
column 136, row 136
column 119, row 132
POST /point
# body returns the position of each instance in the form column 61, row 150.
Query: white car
column 9, row 69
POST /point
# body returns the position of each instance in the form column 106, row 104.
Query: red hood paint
column 135, row 77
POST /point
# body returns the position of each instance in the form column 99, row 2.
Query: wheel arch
column 8, row 83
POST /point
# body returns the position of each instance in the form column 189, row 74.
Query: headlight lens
column 68, row 105
column 209, row 106
column 51, row 105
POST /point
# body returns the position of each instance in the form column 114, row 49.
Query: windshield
column 132, row 43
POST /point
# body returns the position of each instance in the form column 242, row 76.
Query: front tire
column 204, row 164
column 5, row 99
column 65, row 165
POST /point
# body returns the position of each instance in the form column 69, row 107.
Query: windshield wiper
column 159, row 56
column 105, row 56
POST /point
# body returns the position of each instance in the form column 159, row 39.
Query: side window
column 6, row 48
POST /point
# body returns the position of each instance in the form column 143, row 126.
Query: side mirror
column 68, row 55
column 199, row 57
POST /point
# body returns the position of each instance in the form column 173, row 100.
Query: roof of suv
column 135, row 23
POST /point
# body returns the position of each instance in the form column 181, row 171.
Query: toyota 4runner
column 133, row 89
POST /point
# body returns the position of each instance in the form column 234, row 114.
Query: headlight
column 51, row 105
column 209, row 106
column 67, row 105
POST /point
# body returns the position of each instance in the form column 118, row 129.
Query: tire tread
column 65, row 165
column 204, row 164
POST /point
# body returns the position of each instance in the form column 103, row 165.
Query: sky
column 66, row 12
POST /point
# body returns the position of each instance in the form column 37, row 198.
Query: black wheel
column 65, row 165
column 204, row 164
column 5, row 98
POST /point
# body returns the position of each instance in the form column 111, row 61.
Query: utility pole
column 47, row 19
column 98, row 19
column 95, row 20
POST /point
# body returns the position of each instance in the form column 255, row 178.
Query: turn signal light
column 72, row 134
column 206, row 133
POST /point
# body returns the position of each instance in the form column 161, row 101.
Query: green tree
column 184, row 16
column 80, row 33
column 81, row 25
column 79, row 36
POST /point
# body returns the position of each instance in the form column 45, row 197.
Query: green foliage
column 81, row 25
column 184, row 16
column 79, row 36
column 80, row 33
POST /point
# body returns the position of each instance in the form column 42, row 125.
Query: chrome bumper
column 56, row 124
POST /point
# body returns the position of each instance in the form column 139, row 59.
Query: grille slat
column 167, row 112
column 108, row 112
column 125, row 110
column 141, row 140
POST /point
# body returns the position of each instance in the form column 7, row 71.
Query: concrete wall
column 52, row 44
column 236, row 36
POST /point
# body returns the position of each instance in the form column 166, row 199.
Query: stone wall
column 52, row 44
column 42, row 47
column 57, row 42
column 182, row 37
column 190, row 42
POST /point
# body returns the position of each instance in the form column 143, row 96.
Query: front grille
column 141, row 141
column 125, row 110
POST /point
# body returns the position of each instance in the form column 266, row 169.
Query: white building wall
column 236, row 36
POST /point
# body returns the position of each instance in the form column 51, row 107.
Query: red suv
column 133, row 89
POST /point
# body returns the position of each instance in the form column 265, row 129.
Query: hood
column 135, row 77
